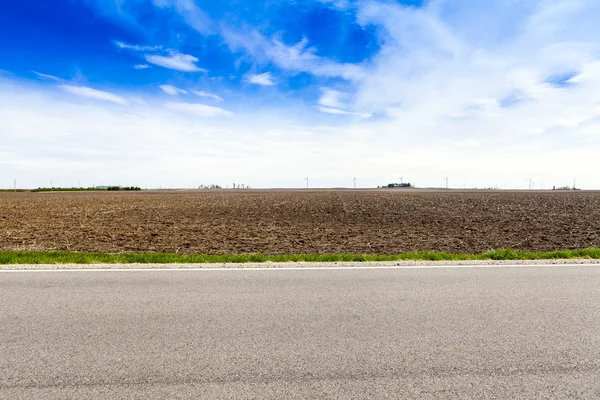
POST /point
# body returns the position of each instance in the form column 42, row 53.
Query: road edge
column 296, row 265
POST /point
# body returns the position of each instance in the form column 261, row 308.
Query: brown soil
column 274, row 222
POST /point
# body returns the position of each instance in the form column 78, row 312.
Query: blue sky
column 178, row 93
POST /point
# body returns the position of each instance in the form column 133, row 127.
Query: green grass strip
column 67, row 257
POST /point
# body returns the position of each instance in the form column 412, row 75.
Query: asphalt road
column 445, row 333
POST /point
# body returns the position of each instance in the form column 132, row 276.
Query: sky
column 181, row 93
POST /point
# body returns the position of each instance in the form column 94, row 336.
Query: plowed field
column 275, row 222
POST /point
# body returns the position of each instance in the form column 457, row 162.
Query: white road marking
column 300, row 268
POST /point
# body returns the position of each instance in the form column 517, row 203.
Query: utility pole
column 446, row 179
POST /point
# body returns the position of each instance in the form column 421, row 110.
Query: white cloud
column 336, row 102
column 90, row 93
column 50, row 77
column 172, row 90
column 136, row 47
column 332, row 98
column 172, row 59
column 176, row 61
column 296, row 58
column 304, row 59
column 264, row 79
column 207, row 95
column 331, row 110
column 200, row 110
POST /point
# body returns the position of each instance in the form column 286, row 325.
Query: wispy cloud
column 135, row 47
column 337, row 111
column 172, row 90
column 264, row 79
column 168, row 58
column 207, row 95
column 50, row 77
column 191, row 13
column 332, row 98
column 336, row 102
column 201, row 110
column 90, row 93
column 176, row 61
column 297, row 58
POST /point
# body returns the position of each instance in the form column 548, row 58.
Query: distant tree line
column 129, row 188
column 209, row 187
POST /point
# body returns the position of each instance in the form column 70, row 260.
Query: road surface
column 443, row 333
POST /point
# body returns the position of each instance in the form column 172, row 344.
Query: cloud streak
column 176, row 61
column 135, row 47
column 265, row 79
column 337, row 111
column 169, row 59
column 49, row 77
column 172, row 90
column 200, row 93
column 94, row 94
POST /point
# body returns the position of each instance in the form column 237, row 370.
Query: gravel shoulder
column 299, row 265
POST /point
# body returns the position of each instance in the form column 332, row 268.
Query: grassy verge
column 65, row 257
